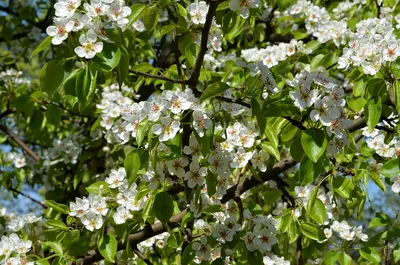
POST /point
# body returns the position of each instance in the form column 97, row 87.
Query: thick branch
column 19, row 142
column 6, row 113
column 203, row 45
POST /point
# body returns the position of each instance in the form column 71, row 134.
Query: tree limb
column 29, row 197
column 203, row 45
column 20, row 142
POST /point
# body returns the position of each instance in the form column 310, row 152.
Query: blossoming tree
column 206, row 132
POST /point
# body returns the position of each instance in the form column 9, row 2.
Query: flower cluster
column 17, row 159
column 90, row 19
column 13, row 250
column 272, row 55
column 93, row 211
column 333, row 208
column 317, row 21
column 261, row 233
column 371, row 46
column 65, row 151
column 14, row 77
column 327, row 104
column 345, row 231
column 17, row 223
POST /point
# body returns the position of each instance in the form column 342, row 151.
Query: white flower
column 79, row 208
column 193, row 148
column 92, row 221
column 201, row 122
column 198, row 12
column 167, row 129
column 203, row 250
column 116, row 178
column 324, row 111
column 59, row 32
column 243, row 6
column 251, row 241
column 138, row 25
column 121, row 215
column 259, row 159
column 118, row 13
column 96, row 8
column 241, row 158
column 396, row 184
column 66, row 8
column 176, row 166
column 89, row 46
column 195, row 177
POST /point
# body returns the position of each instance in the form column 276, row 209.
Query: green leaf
column 132, row 165
column 343, row 186
column 53, row 115
column 56, row 247
column 396, row 94
column 271, row 149
column 370, row 254
column 123, row 68
column 318, row 212
column 188, row 255
column 86, row 83
column 312, row 231
column 307, row 172
column 255, row 257
column 61, row 208
column 163, row 207
column 381, row 219
column 109, row 58
column 314, row 143
column 51, row 76
column 213, row 90
column 150, row 18
column 97, row 186
column 56, row 224
column 331, row 257
column 344, row 258
column 378, row 181
column 211, row 181
column 372, row 111
column 136, row 12
column 43, row 45
column 391, row 168
column 107, row 246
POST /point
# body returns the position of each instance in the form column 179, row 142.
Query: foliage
column 217, row 132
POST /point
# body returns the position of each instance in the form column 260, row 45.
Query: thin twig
column 141, row 256
column 159, row 77
column 29, row 197
column 299, row 254
column 20, row 142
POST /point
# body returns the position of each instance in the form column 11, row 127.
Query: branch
column 141, row 256
column 19, row 142
column 299, row 254
column 29, row 197
column 203, row 45
column 6, row 113
column 159, row 77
